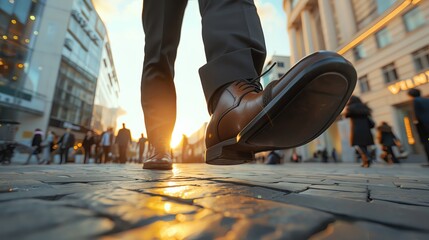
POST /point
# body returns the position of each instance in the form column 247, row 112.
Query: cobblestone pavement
column 198, row 201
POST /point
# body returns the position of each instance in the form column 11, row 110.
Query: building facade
column 20, row 24
column 56, row 79
column 106, row 103
column 387, row 42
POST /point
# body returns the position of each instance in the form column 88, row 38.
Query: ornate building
column 386, row 40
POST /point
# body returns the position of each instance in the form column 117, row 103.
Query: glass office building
column 50, row 57
column 19, row 30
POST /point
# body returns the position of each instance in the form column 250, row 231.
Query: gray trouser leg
column 234, row 46
column 233, row 41
column 162, row 21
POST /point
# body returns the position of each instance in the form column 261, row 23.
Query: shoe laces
column 254, row 84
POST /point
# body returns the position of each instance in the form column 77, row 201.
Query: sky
column 123, row 22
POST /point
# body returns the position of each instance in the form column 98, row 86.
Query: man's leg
column 122, row 154
column 141, row 151
column 29, row 157
column 233, row 41
column 246, row 118
column 61, row 155
column 66, row 155
column 162, row 21
column 426, row 146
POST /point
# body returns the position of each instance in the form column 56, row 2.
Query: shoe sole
column 319, row 92
column 158, row 166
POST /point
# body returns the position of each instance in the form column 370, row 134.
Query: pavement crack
column 174, row 199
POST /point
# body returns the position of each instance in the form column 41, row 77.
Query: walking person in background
column 48, row 144
column 334, row 155
column 106, row 143
column 142, row 146
column 66, row 142
column 361, row 124
column 421, row 121
column 87, row 143
column 388, row 140
column 123, row 139
column 36, row 144
column 274, row 157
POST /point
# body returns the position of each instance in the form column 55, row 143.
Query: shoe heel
column 225, row 154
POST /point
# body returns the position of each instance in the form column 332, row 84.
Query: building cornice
column 371, row 29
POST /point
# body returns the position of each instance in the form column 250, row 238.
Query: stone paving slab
column 364, row 230
column 412, row 217
column 198, row 201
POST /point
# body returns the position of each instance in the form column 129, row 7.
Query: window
column 413, row 19
column 389, row 73
column 364, row 84
column 383, row 5
column 421, row 59
column 383, row 38
column 359, row 52
column 279, row 75
column 281, row 64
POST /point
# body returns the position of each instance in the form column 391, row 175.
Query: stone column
column 328, row 25
column 293, row 45
column 306, row 31
column 346, row 19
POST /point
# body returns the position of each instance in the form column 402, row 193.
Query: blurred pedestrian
column 295, row 157
column 361, row 124
column 274, row 157
column 142, row 146
column 36, row 144
column 123, row 139
column 87, row 144
column 48, row 146
column 334, row 155
column 106, row 143
column 421, row 120
column 388, row 140
column 66, row 142
column 325, row 155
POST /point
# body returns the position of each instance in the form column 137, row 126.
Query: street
column 199, row 201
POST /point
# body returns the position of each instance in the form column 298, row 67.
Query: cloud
column 267, row 11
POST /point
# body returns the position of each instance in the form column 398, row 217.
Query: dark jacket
column 421, row 110
column 70, row 141
column 386, row 136
column 360, row 125
column 88, row 142
column 124, row 137
column 37, row 141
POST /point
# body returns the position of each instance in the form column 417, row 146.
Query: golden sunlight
column 136, row 126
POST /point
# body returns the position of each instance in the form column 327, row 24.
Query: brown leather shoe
column 290, row 112
column 159, row 161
